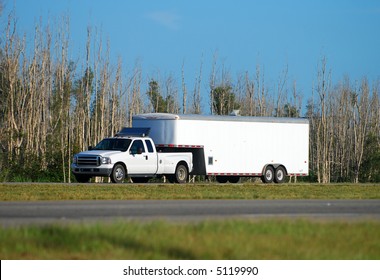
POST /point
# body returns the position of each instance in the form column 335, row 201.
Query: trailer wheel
column 279, row 174
column 181, row 174
column 268, row 175
column 118, row 173
column 234, row 179
column 221, row 179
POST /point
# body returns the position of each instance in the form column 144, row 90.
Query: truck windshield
column 113, row 144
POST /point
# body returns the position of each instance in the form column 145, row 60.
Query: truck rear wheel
column 118, row 173
column 279, row 175
column 181, row 174
column 268, row 175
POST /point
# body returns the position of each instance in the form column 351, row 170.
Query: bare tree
column 323, row 129
column 196, row 100
column 361, row 114
column 250, row 96
column 171, row 95
column 281, row 92
column 212, row 83
column 135, row 103
column 184, row 90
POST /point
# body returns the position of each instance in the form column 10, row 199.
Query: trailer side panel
column 234, row 146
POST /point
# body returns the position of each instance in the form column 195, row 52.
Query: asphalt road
column 42, row 212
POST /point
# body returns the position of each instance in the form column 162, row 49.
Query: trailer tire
column 279, row 175
column 118, row 173
column 221, row 179
column 268, row 175
column 234, row 179
column 181, row 174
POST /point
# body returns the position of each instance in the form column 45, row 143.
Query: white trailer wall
column 239, row 146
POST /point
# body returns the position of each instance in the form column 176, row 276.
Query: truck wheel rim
column 119, row 174
column 181, row 174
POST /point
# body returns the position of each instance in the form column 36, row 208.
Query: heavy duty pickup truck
column 130, row 153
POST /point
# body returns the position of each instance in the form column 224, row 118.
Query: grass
column 38, row 191
column 231, row 239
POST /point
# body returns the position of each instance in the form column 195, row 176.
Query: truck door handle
column 146, row 157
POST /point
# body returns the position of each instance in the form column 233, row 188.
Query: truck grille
column 89, row 160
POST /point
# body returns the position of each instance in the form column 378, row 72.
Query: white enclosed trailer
column 230, row 147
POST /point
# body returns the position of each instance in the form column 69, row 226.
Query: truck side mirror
column 90, row 148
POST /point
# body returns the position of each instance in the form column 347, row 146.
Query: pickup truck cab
column 130, row 154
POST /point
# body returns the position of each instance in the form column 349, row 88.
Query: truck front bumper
column 91, row 171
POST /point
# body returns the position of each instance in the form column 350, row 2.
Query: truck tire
column 279, row 174
column 82, row 178
column 118, row 173
column 181, row 174
column 268, row 175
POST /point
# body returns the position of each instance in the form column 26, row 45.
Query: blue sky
column 162, row 35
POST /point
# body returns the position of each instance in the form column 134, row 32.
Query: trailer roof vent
column 133, row 131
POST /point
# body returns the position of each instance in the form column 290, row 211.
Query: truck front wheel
column 181, row 174
column 118, row 173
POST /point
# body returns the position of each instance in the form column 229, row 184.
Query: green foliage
column 371, row 163
column 28, row 169
column 156, row 100
column 83, row 85
column 158, row 103
column 289, row 111
column 224, row 100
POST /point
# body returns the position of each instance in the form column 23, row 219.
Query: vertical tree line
column 52, row 107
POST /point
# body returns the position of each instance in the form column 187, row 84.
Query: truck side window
column 149, row 146
column 137, row 146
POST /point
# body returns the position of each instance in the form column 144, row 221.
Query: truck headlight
column 105, row 160
column 75, row 159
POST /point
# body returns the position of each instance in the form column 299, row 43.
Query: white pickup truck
column 131, row 154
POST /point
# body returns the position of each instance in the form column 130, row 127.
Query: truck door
column 150, row 157
column 140, row 161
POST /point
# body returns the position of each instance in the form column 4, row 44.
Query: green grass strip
column 232, row 239
column 36, row 191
